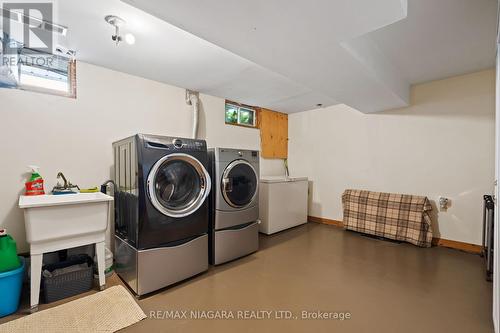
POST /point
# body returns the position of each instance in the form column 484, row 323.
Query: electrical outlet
column 443, row 203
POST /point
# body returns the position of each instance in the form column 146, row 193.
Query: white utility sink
column 57, row 222
column 55, row 217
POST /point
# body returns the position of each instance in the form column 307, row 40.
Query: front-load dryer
column 161, row 223
column 234, row 230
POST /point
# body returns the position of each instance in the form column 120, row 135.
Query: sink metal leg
column 101, row 263
column 36, row 273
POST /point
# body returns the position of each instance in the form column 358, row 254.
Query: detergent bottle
column 34, row 186
column 8, row 252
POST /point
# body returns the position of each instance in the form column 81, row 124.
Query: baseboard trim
column 322, row 220
column 467, row 247
column 456, row 245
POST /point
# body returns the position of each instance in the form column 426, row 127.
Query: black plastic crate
column 70, row 283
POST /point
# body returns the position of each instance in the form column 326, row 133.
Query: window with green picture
column 241, row 115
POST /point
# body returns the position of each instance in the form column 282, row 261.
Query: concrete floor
column 384, row 286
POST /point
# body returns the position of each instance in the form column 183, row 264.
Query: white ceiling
column 289, row 55
column 165, row 53
column 441, row 38
column 363, row 53
column 300, row 40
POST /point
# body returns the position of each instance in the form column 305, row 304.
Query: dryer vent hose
column 192, row 99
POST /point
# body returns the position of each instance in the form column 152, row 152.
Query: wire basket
column 68, row 284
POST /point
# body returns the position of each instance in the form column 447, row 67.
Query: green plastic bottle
column 8, row 252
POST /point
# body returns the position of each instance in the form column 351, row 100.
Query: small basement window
column 32, row 70
column 241, row 115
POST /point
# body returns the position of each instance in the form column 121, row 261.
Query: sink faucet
column 67, row 185
column 59, row 176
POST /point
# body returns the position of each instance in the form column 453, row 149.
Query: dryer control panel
column 230, row 154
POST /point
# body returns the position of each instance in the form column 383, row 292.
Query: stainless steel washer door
column 178, row 184
column 239, row 184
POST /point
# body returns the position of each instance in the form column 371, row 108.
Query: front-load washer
column 161, row 222
column 234, row 229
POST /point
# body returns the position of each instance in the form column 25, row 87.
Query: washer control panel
column 171, row 143
column 177, row 143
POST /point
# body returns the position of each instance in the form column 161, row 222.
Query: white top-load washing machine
column 234, row 230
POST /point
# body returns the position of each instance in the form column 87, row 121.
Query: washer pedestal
column 148, row 270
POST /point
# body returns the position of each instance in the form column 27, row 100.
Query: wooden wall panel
column 273, row 134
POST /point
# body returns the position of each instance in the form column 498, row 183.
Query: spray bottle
column 34, row 186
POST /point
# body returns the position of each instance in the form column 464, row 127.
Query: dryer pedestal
column 148, row 270
column 230, row 244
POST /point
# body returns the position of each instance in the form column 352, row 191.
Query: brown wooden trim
column 241, row 125
column 322, row 220
column 72, row 78
column 467, row 247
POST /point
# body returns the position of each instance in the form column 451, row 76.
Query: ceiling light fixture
column 118, row 22
column 130, row 39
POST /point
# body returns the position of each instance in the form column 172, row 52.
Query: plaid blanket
column 400, row 217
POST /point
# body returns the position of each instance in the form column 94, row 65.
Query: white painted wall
column 75, row 136
column 443, row 144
